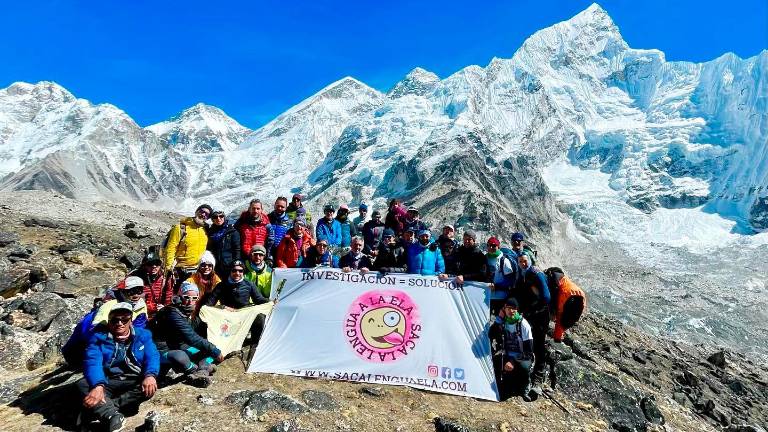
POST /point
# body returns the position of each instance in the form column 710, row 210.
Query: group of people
column 148, row 325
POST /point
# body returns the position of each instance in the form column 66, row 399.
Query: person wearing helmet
column 328, row 228
column 157, row 292
column 120, row 369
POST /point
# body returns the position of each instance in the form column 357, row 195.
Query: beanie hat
column 301, row 211
column 518, row 236
column 512, row 302
column 344, row 207
column 388, row 233
column 328, row 208
column 188, row 286
column 298, row 196
column 207, row 258
column 375, row 213
column 471, row 234
column 260, row 249
column 425, row 232
column 363, row 206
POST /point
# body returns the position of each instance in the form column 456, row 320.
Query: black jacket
column 348, row 261
column 226, row 249
column 472, row 263
column 235, row 295
column 391, row 259
column 172, row 330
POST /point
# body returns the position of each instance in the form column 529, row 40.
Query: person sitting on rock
column 258, row 271
column 355, row 259
column 390, row 256
column 320, row 255
column 255, row 229
column 280, row 222
column 180, row 338
column 295, row 206
column 328, row 228
column 294, row 247
column 372, row 232
column 359, row 220
column 237, row 292
column 568, row 301
column 205, row 279
column 186, row 243
column 223, row 243
column 532, row 292
column 513, row 368
column 128, row 291
column 424, row 257
column 501, row 274
column 119, row 371
column 472, row 261
column 348, row 230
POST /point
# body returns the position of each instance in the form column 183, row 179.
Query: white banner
column 395, row 329
column 227, row 329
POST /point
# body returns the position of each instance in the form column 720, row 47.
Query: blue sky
column 256, row 59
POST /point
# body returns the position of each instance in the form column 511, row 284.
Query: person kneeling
column 180, row 338
column 120, row 369
column 514, row 376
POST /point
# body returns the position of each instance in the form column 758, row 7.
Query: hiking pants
column 539, row 322
column 117, row 394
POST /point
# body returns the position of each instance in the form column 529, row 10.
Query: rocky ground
column 56, row 254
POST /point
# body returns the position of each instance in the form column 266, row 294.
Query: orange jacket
column 288, row 251
column 566, row 289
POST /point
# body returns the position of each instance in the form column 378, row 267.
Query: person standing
column 223, row 243
column 186, row 242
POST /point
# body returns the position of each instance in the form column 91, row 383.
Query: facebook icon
column 446, row 373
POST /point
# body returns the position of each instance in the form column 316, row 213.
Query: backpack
column 164, row 244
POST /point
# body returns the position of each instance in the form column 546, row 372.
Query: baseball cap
column 494, row 241
column 121, row 306
column 259, row 249
column 518, row 236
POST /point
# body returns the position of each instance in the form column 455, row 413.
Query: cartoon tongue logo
column 393, row 338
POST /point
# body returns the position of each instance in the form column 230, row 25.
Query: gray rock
column 79, row 256
column 67, row 247
column 718, row 359
column 239, row 397
column 151, row 422
column 31, row 222
column 50, row 306
column 738, row 387
column 447, row 425
column 131, row 259
column 21, row 251
column 8, row 238
column 14, row 280
column 262, row 401
column 745, row 428
column 205, row 400
column 135, row 234
column 37, row 275
column 373, row 391
column 130, row 225
column 319, row 400
column 50, row 350
column 651, row 410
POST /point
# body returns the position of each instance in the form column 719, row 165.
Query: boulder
column 131, row 259
column 135, row 234
column 20, row 252
column 14, row 280
column 50, row 350
column 50, row 305
column 617, row 401
column 717, row 359
column 373, row 391
column 319, row 400
column 259, row 402
column 47, row 223
column 8, row 238
column 651, row 410
column 447, row 425
column 79, row 256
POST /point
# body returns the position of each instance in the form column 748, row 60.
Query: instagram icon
column 432, row 370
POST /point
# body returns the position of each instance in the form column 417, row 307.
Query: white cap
column 207, row 258
column 121, row 306
column 133, row 282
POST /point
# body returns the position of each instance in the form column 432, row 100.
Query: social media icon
column 458, row 373
column 446, row 373
column 432, row 370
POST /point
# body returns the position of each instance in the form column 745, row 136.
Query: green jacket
column 262, row 279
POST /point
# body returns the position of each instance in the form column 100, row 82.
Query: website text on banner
column 393, row 329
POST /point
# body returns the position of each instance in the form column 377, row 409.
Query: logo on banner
column 224, row 329
column 382, row 325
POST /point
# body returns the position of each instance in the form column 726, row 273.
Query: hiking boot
column 116, row 423
column 199, row 380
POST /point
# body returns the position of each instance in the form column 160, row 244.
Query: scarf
column 514, row 319
column 493, row 255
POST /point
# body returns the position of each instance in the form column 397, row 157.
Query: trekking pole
column 548, row 395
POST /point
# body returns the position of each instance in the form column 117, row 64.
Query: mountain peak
column 418, row 82
column 43, row 90
column 201, row 128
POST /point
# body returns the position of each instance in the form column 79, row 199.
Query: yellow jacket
column 187, row 252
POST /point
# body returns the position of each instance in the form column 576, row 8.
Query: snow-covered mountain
column 664, row 134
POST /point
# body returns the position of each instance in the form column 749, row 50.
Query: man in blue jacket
column 328, row 228
column 120, row 368
column 532, row 291
column 424, row 257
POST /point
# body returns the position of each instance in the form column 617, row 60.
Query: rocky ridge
column 606, row 376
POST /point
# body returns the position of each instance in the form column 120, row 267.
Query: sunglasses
column 189, row 298
column 134, row 291
column 204, row 214
column 236, row 270
column 206, row 265
column 218, row 216
column 119, row 321
column 517, row 241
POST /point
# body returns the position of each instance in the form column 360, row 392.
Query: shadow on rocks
column 55, row 398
